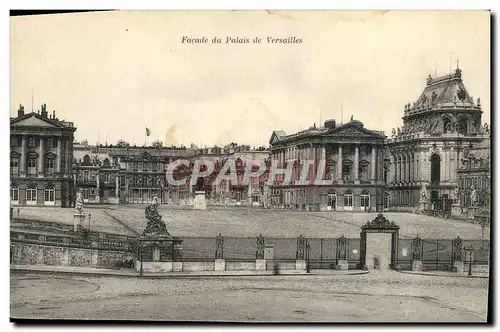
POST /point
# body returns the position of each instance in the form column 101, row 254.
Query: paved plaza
column 374, row 297
column 250, row 222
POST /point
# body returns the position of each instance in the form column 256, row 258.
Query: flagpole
column 145, row 133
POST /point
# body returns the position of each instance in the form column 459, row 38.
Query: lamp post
column 90, row 216
column 140, row 256
column 308, row 248
column 469, row 250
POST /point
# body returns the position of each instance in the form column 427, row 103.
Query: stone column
column 117, row 189
column 323, row 153
column 356, row 163
column 58, row 158
column 97, row 198
column 445, row 165
column 22, row 163
column 374, row 164
column 41, row 157
column 404, row 163
column 339, row 165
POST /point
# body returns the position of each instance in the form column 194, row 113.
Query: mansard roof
column 442, row 91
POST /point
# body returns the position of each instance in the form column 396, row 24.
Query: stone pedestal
column 220, row 265
column 200, row 201
column 177, row 266
column 458, row 266
column 260, row 264
column 342, row 264
column 423, row 205
column 77, row 220
column 416, row 265
column 456, row 210
column 300, row 264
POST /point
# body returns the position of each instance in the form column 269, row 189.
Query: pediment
column 274, row 139
column 33, row 121
column 351, row 131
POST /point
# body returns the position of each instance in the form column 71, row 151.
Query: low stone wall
column 239, row 266
column 36, row 254
column 198, row 266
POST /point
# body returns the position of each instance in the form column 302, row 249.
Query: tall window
column 86, row 193
column 332, row 199
column 32, row 166
column 155, row 167
column 136, row 167
column 86, row 176
column 31, row 195
column 49, row 166
column 14, row 166
column 106, row 163
column 348, row 199
column 462, row 126
column 386, row 200
column 435, row 168
column 50, row 143
column 365, row 199
column 14, row 141
column 14, row 194
column 49, row 195
column 107, row 177
column 144, row 167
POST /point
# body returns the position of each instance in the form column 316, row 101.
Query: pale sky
column 114, row 73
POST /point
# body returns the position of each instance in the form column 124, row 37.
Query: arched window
column 106, row 163
column 31, row 195
column 348, row 199
column 435, row 168
column 462, row 125
column 332, row 200
column 86, row 159
column 14, row 194
column 365, row 200
column 49, row 195
column 446, row 125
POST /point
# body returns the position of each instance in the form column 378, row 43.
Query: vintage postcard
column 250, row 166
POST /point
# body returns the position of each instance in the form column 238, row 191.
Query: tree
column 122, row 144
column 157, row 144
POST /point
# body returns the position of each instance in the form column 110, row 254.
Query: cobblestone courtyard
column 378, row 297
column 250, row 222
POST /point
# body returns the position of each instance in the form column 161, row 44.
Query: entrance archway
column 332, row 200
column 375, row 247
column 435, row 168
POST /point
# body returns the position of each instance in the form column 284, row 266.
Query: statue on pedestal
column 155, row 224
column 455, row 196
column 423, row 192
column 473, row 197
column 79, row 203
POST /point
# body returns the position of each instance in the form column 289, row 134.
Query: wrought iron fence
column 439, row 254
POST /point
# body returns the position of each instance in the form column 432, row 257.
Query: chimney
column 53, row 114
column 44, row 111
column 20, row 111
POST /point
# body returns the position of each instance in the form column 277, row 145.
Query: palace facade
column 354, row 168
column 438, row 128
column 41, row 150
column 114, row 175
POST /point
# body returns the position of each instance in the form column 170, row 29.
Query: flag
column 148, row 131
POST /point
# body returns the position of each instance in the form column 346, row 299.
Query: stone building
column 129, row 175
column 41, row 149
column 438, row 128
column 226, row 192
column 353, row 172
column 97, row 175
column 474, row 182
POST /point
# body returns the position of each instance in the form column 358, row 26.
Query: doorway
column 332, row 201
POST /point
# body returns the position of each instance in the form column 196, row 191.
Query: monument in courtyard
column 157, row 250
column 200, row 202
column 78, row 214
column 424, row 201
